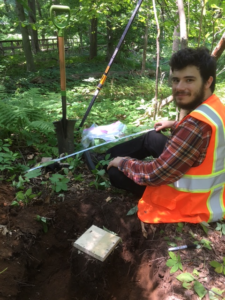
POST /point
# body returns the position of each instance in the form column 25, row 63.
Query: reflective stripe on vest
column 205, row 183
column 215, row 205
column 214, row 182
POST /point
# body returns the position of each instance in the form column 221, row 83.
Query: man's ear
column 208, row 82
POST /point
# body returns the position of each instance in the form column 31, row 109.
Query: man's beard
column 198, row 99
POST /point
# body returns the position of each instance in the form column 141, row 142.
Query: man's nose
column 180, row 85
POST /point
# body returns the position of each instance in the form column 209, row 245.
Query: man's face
column 188, row 88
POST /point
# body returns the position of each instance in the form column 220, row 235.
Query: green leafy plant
column 7, row 157
column 78, row 177
column 205, row 227
column 24, row 197
column 206, row 244
column 74, row 162
column 216, row 294
column 221, row 228
column 59, row 183
column 44, row 222
column 101, row 182
column 33, row 174
column 219, row 267
column 169, row 242
column 174, row 262
column 20, row 184
column 132, row 211
column 187, row 279
column 179, row 227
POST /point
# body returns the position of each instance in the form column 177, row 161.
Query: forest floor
column 37, row 265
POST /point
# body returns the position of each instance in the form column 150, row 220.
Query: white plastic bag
column 106, row 132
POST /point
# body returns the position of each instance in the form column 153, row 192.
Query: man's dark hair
column 199, row 57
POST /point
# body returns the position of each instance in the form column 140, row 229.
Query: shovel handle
column 60, row 26
column 62, row 65
column 61, row 9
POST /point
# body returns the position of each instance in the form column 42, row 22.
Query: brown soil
column 46, row 266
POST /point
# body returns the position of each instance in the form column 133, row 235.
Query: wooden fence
column 11, row 47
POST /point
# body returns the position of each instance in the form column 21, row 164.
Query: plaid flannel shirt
column 185, row 148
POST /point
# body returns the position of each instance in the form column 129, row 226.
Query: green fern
column 43, row 126
column 26, row 117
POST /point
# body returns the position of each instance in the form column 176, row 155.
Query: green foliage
column 20, row 184
column 59, row 183
column 26, row 118
column 44, row 222
column 174, row 262
column 24, row 197
column 216, row 294
column 219, row 267
column 221, row 228
column 74, row 162
column 199, row 289
column 33, row 174
column 7, row 157
column 206, row 244
column 187, row 278
column 101, row 182
column 179, row 227
column 132, row 211
column 205, row 227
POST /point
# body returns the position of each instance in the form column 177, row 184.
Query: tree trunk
column 81, row 40
column 93, row 38
column 175, row 46
column 25, row 36
column 176, row 40
column 110, row 46
column 200, row 22
column 183, row 29
column 145, row 43
column 7, row 7
column 39, row 8
column 162, row 16
column 188, row 26
column 220, row 47
column 157, row 61
column 32, row 20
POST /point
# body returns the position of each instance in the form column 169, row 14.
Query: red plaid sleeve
column 185, row 148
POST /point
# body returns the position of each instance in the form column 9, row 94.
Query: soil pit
column 46, row 266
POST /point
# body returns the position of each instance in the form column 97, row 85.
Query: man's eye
column 190, row 80
column 174, row 80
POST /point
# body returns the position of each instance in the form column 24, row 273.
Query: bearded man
column 185, row 182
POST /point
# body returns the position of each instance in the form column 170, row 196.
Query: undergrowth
column 31, row 102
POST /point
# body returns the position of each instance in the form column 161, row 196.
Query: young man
column 185, row 182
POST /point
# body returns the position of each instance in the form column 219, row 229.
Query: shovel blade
column 65, row 135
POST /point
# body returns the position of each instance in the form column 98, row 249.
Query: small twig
column 146, row 250
column 32, row 257
column 25, row 284
column 213, row 292
column 157, row 259
column 22, row 155
column 3, row 270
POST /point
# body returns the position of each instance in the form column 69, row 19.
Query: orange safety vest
column 200, row 194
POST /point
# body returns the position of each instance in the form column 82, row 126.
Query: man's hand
column 163, row 124
column 115, row 162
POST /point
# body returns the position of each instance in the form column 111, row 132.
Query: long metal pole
column 104, row 76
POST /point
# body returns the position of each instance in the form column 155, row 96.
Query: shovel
column 64, row 128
